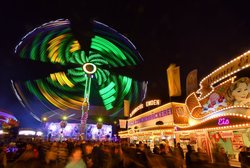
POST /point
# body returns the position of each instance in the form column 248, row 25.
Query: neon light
column 141, row 106
column 223, row 121
column 153, row 116
column 26, row 132
column 53, row 42
column 153, row 102
column 89, row 68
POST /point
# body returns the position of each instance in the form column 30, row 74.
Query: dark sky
column 192, row 34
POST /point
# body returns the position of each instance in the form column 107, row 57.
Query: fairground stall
column 9, row 126
column 29, row 134
column 59, row 131
column 155, row 125
column 219, row 112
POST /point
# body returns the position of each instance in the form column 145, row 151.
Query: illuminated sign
column 136, row 109
column 223, row 121
column 239, row 63
column 150, row 117
column 155, row 102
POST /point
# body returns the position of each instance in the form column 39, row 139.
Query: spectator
column 3, row 158
column 179, row 156
column 76, row 160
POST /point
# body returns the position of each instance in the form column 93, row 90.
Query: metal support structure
column 89, row 69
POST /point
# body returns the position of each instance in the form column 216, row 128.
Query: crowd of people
column 94, row 154
column 244, row 157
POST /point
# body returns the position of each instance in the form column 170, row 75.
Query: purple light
column 5, row 117
column 223, row 121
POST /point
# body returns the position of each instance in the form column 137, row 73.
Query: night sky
column 191, row 34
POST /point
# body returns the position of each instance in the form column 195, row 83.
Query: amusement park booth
column 9, row 126
column 156, row 125
column 219, row 112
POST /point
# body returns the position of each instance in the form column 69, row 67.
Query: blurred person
column 155, row 161
column 168, row 148
column 167, row 155
column 87, row 151
column 33, row 163
column 97, row 156
column 188, row 156
column 75, row 160
column 225, row 158
column 140, row 153
column 3, row 157
column 49, row 135
column 179, row 156
column 29, row 152
column 51, row 156
column 244, row 157
column 156, row 150
column 202, row 157
column 27, row 160
column 221, row 158
column 147, row 149
column 191, row 157
column 130, row 160
column 62, row 154
column 117, row 156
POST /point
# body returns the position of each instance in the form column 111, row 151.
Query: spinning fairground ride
column 87, row 77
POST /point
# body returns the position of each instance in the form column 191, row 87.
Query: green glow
column 22, row 54
column 43, row 54
column 111, row 46
column 109, row 100
column 35, row 47
column 84, row 59
column 107, row 49
column 101, row 47
column 34, row 90
column 98, row 59
column 108, row 94
column 67, row 52
column 78, row 58
column 62, row 48
column 106, row 89
column 109, row 106
column 127, row 82
column 99, row 77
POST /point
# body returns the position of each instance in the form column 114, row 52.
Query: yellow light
column 99, row 119
column 45, row 119
column 64, row 117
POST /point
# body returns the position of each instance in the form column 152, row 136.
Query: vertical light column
column 89, row 69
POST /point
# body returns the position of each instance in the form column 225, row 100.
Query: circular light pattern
column 89, row 68
column 54, row 43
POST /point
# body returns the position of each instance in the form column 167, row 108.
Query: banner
column 123, row 123
column 237, row 141
column 191, row 82
column 226, row 134
column 180, row 113
column 174, row 82
column 126, row 108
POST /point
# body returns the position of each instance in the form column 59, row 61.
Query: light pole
column 47, row 135
column 63, row 124
column 89, row 69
